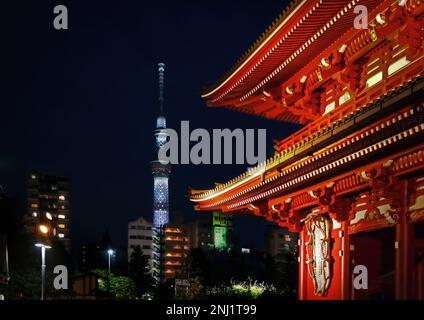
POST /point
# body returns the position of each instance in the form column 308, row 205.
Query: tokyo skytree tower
column 160, row 170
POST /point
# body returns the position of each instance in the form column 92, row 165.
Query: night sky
column 83, row 102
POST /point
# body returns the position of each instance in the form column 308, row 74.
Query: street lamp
column 44, row 231
column 110, row 253
column 43, row 267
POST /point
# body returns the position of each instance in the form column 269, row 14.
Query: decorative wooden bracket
column 256, row 210
column 286, row 216
column 295, row 220
column 280, row 212
column 411, row 37
column 312, row 104
column 295, row 91
column 338, row 207
column 380, row 178
column 333, row 64
column 385, row 196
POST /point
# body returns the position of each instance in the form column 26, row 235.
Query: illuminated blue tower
column 161, row 172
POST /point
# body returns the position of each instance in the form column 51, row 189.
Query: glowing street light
column 110, row 253
column 42, row 242
column 43, row 229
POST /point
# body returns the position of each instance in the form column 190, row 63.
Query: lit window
column 344, row 98
column 61, row 226
column 373, row 80
column 61, row 235
column 34, row 214
column 173, row 230
column 398, row 65
column 62, row 198
column 174, row 238
column 33, row 176
column 174, row 255
column 61, row 216
column 34, row 205
column 330, row 107
column 172, row 263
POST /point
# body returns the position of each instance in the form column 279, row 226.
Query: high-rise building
column 200, row 233
column 161, row 171
column 48, row 198
column 176, row 250
column 222, row 230
column 90, row 257
column 279, row 239
column 140, row 234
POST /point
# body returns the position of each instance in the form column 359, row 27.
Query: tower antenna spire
column 161, row 69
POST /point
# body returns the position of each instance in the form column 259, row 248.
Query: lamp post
column 43, row 268
column 44, row 230
column 109, row 253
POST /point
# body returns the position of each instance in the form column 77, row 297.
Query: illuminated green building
column 222, row 229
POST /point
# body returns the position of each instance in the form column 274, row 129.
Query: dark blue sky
column 83, row 102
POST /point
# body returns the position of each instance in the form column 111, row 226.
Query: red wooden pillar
column 346, row 276
column 404, row 250
column 302, row 265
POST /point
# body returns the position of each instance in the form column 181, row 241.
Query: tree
column 194, row 273
column 195, row 265
column 25, row 279
column 58, row 255
column 286, row 270
column 25, row 264
column 193, row 289
column 139, row 271
column 121, row 288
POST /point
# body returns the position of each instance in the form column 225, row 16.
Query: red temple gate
column 351, row 181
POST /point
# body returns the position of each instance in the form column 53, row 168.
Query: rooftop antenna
column 161, row 69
